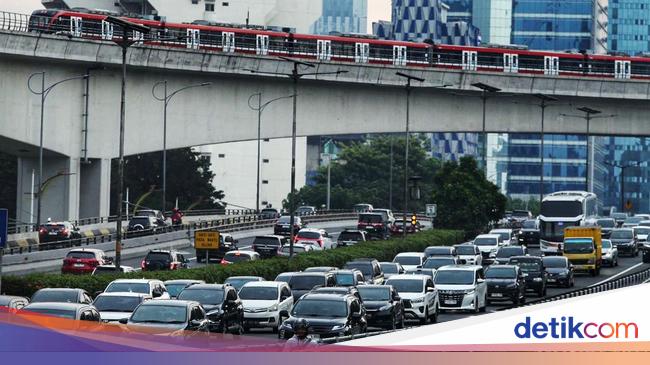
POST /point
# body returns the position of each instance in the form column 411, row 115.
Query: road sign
column 206, row 240
column 4, row 221
column 432, row 210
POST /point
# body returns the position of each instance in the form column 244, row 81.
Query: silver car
column 610, row 253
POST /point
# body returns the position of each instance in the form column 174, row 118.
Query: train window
column 262, row 45
column 107, row 30
column 193, row 39
column 551, row 65
column 469, row 60
column 399, row 56
column 138, row 36
column 228, row 41
column 75, row 26
column 362, row 52
column 324, row 51
column 575, row 65
column 511, row 63
column 622, row 70
column 640, row 68
column 493, row 61
column 418, row 55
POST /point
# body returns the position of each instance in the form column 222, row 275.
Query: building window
column 266, row 160
column 266, row 139
column 265, row 182
column 225, row 3
column 209, row 7
column 221, row 155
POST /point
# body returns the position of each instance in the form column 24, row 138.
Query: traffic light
column 414, row 220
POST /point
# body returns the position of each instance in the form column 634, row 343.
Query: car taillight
column 64, row 232
column 42, row 231
column 143, row 265
column 224, row 262
column 320, row 242
column 173, row 266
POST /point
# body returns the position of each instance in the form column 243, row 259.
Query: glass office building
column 460, row 10
column 629, row 26
column 344, row 16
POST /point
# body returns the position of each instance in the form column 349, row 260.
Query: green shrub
column 269, row 269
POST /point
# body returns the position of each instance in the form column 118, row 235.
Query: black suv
column 528, row 235
column 283, row 226
column 504, row 253
column 329, row 315
column 350, row 237
column 534, row 272
column 370, row 268
column 269, row 246
column 159, row 260
column 304, row 282
column 375, row 225
column 221, row 303
column 384, row 307
column 505, row 283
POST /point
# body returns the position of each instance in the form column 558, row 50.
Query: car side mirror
column 195, row 323
column 284, row 313
column 431, row 290
column 124, row 321
column 480, row 281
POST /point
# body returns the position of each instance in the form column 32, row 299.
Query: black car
column 560, row 271
column 505, row 283
column 440, row 251
column 384, row 307
column 506, row 252
column 303, row 283
column 169, row 317
column 348, row 277
column 370, row 269
column 350, row 237
column 328, row 315
column 374, row 224
column 534, row 272
column 222, row 304
column 438, row 262
column 528, row 235
column 163, row 260
column 142, row 226
column 269, row 246
column 625, row 242
column 606, row 226
column 283, row 226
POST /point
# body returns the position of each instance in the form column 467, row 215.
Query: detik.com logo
column 569, row 327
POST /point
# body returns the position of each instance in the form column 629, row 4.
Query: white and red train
column 352, row 49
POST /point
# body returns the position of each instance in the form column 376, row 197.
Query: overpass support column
column 95, row 188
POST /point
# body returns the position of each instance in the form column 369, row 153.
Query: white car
column 115, row 306
column 317, row 237
column 462, row 288
column 469, row 254
column 263, row 302
column 410, row 260
column 508, row 236
column 155, row 288
column 389, row 215
column 641, row 233
column 488, row 244
column 419, row 296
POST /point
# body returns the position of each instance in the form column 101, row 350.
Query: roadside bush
column 269, row 269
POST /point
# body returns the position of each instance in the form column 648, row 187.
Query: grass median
column 269, row 269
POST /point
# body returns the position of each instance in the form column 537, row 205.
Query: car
column 384, row 308
column 419, row 296
column 233, row 257
column 164, row 260
column 641, row 234
column 644, row 224
column 362, row 208
column 387, row 213
column 174, row 287
column 328, row 315
column 347, row 278
column 440, row 251
column 350, row 237
column 624, row 241
column 298, row 248
column 269, row 246
column 609, row 253
column 606, row 226
column 619, row 218
column 226, row 243
column 269, row 213
column 374, row 224
column 221, row 303
column 462, row 287
column 505, row 283
column 304, row 282
column 57, row 231
column 264, row 302
column 370, row 269
column 321, row 269
column 283, row 226
column 157, row 215
column 169, row 317
column 560, row 271
column 340, row 290
column 488, row 244
column 285, row 277
column 13, row 303
column 437, row 262
column 632, row 222
column 61, row 295
column 507, row 236
column 646, row 252
column 421, row 271
column 114, row 306
column 317, row 237
column 504, row 253
column 155, row 288
column 535, row 273
column 643, row 216
column 142, row 226
column 528, row 234
column 112, row 270
column 390, row 268
column 519, row 216
column 397, row 228
column 84, row 261
column 469, row 254
column 410, row 260
column 239, row 281
column 74, row 311
column 306, row 210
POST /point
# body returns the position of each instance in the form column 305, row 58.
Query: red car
column 84, row 261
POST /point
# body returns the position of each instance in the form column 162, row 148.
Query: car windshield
column 309, row 235
column 268, row 241
column 642, row 230
column 238, row 283
column 437, row 251
column 505, row 252
column 105, row 303
column 269, row 211
column 503, row 236
column 529, row 224
column 128, row 288
column 258, row 293
column 389, row 268
column 351, row 236
column 158, row 256
column 438, row 262
column 527, row 265
column 454, row 277
column 320, row 308
column 285, row 278
column 306, row 282
column 370, row 218
column 287, row 219
column 607, row 244
column 365, row 268
column 344, row 279
column 406, row 285
column 80, row 255
column 167, row 314
column 236, row 257
column 619, row 215
column 578, row 245
column 296, row 249
column 485, row 241
column 626, row 234
column 56, row 296
column 466, row 250
column 408, row 260
column 606, row 223
column 175, row 289
column 61, row 313
column 203, row 296
column 369, row 294
column 555, row 262
column 496, row 272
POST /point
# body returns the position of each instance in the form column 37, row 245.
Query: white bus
column 561, row 210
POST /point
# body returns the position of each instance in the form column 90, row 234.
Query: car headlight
column 417, row 300
column 273, row 308
column 537, row 279
column 468, row 291
column 385, row 308
column 338, row 327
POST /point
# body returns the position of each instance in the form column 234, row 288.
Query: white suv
column 419, row 296
column 488, row 244
column 508, row 236
column 155, row 288
column 410, row 260
column 469, row 254
column 264, row 301
column 462, row 288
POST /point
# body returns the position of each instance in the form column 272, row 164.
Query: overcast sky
column 377, row 9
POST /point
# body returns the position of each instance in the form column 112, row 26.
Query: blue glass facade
column 460, row 10
column 629, row 26
column 344, row 16
column 453, row 146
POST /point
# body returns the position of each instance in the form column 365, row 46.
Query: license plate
column 53, row 233
column 552, row 280
column 285, row 226
column 497, row 295
column 450, row 302
column 79, row 265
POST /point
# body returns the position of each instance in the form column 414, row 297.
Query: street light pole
column 390, row 178
column 544, row 100
column 485, row 91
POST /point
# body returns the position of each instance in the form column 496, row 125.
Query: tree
column 8, row 182
column 189, row 179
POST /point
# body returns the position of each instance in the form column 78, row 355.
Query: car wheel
column 400, row 324
column 476, row 307
column 522, row 299
column 424, row 320
column 616, row 262
column 434, row 317
column 544, row 291
column 483, row 309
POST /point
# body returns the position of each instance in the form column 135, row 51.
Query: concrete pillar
column 95, row 188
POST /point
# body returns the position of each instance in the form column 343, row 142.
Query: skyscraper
column 345, row 16
column 629, row 24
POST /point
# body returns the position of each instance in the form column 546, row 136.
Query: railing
column 14, row 22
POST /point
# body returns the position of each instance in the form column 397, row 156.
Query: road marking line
column 617, row 275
